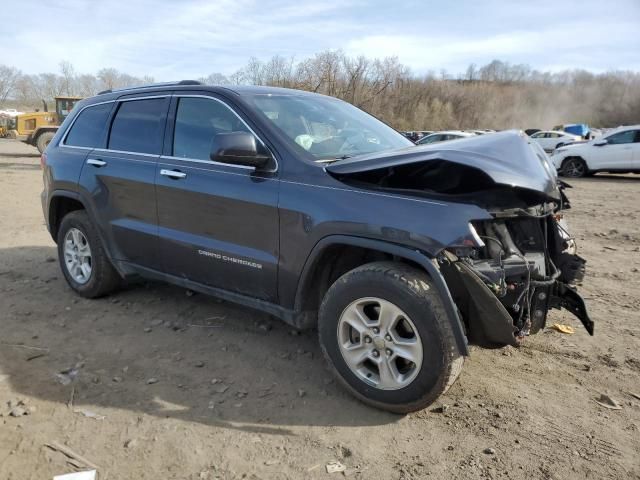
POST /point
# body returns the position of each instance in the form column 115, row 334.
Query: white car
column 549, row 140
column 444, row 136
column 618, row 151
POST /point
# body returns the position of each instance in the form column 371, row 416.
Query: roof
column 623, row 127
column 454, row 132
column 237, row 89
column 262, row 90
column 560, row 132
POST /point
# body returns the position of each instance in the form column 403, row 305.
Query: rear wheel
column 83, row 260
column 384, row 330
column 574, row 167
column 44, row 140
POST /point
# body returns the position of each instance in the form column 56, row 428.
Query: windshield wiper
column 334, row 159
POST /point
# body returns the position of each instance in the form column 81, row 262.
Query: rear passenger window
column 138, row 126
column 87, row 129
column 198, row 121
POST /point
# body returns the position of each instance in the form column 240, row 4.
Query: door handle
column 96, row 163
column 173, row 174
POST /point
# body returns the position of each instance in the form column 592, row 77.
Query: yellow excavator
column 38, row 128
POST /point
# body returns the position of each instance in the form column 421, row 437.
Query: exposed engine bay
column 529, row 266
column 514, row 267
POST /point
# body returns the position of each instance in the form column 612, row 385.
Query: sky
column 178, row 39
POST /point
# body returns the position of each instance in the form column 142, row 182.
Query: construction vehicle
column 38, row 128
column 8, row 121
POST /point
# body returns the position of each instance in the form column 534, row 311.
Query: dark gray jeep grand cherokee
column 307, row 208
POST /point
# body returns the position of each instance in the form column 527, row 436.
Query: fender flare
column 407, row 253
column 64, row 194
column 87, row 208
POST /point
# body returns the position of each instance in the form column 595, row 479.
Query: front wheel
column 574, row 167
column 44, row 140
column 83, row 260
column 384, row 330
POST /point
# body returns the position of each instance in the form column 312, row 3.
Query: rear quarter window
column 138, row 126
column 88, row 128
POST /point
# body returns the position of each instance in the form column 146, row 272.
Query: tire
column 412, row 292
column 574, row 167
column 43, row 140
column 103, row 278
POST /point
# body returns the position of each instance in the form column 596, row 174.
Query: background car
column 617, row 152
column 552, row 139
column 444, row 136
column 416, row 135
column 480, row 132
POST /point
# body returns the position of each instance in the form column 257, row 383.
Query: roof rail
column 163, row 84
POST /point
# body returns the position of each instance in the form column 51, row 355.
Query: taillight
column 43, row 160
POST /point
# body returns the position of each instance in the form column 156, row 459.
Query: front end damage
column 522, row 265
column 518, row 261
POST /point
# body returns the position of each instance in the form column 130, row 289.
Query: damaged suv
column 313, row 211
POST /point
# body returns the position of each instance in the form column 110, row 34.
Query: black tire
column 413, row 292
column 103, row 278
column 574, row 167
column 43, row 140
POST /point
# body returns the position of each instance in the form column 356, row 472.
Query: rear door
column 86, row 132
column 218, row 223
column 119, row 179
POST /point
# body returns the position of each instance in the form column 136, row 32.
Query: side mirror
column 600, row 143
column 238, row 148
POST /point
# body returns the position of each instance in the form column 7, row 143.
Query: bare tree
column 68, row 78
column 109, row 77
column 215, row 79
column 496, row 95
column 8, row 78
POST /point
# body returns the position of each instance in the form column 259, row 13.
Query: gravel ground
column 158, row 384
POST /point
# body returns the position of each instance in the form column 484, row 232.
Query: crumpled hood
column 508, row 158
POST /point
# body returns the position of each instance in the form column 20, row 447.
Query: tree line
column 497, row 95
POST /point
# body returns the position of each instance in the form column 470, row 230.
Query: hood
column 508, row 158
column 575, row 144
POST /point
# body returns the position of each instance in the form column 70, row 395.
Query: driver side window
column 198, row 121
column 622, row 137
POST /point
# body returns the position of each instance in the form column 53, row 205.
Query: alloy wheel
column 380, row 343
column 574, row 168
column 77, row 256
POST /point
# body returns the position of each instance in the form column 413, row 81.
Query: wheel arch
column 335, row 255
column 61, row 203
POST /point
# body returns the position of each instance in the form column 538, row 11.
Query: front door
column 218, row 223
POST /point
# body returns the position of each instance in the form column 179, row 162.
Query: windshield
column 327, row 128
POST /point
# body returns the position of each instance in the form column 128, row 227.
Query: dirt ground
column 160, row 384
